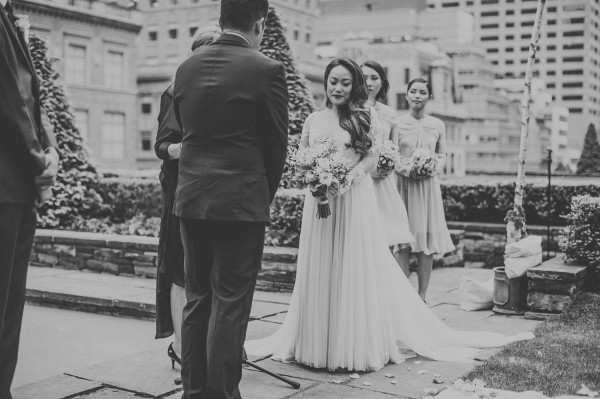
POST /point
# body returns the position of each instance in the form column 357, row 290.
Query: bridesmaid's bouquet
column 324, row 170
column 424, row 162
column 388, row 157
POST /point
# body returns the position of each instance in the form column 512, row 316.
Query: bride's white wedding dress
column 352, row 306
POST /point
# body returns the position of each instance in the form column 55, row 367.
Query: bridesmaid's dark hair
column 385, row 83
column 421, row 80
column 354, row 118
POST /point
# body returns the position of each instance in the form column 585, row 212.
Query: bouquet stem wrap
column 323, row 209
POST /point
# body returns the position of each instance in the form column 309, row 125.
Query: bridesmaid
column 389, row 202
column 422, row 195
column 170, row 293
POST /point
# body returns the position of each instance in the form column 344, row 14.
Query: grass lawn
column 564, row 354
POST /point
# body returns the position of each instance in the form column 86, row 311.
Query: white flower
column 326, row 178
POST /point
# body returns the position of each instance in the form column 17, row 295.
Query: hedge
column 136, row 206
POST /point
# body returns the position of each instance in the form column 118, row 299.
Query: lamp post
column 549, row 199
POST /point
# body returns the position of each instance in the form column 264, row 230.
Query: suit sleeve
column 168, row 128
column 18, row 125
column 48, row 136
column 276, row 129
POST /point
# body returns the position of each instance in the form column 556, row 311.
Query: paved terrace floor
column 148, row 373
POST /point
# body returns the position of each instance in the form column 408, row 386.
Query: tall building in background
column 165, row 40
column 94, row 42
column 568, row 58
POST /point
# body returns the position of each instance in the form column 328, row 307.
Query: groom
column 231, row 104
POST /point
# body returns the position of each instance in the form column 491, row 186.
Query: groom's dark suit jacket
column 231, row 103
column 25, row 130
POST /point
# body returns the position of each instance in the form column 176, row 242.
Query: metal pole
column 549, row 196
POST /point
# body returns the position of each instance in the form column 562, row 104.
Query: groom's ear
column 259, row 27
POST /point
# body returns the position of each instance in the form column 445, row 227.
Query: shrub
column 137, row 202
column 130, row 197
column 286, row 218
column 580, row 240
column 489, row 203
column 589, row 162
column 75, row 192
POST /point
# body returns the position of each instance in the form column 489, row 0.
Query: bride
column 352, row 306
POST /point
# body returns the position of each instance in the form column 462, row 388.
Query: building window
column 76, row 63
column 307, row 38
column 572, row 98
column 526, row 36
column 510, row 12
column 489, row 26
column 551, row 22
column 551, row 85
column 551, row 47
column 146, row 108
column 489, row 38
column 551, row 9
column 551, row 34
column 572, row 59
column 573, row 46
column 447, row 5
column 575, row 110
column 510, row 37
column 82, row 122
column 509, row 49
column 401, row 102
column 572, row 84
column 551, row 60
column 490, row 14
column 486, row 2
column 113, row 135
column 510, row 24
column 406, row 75
column 153, row 3
column 146, row 141
column 173, row 33
column 551, row 73
column 193, row 30
column 492, row 50
column 573, row 72
column 114, row 68
column 528, row 11
column 572, row 33
column 527, row 23
column 509, row 62
column 525, row 48
column 296, row 34
column 152, row 35
column 573, row 21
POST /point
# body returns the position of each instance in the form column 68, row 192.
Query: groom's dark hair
column 242, row 14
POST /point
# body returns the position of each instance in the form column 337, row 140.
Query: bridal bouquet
column 324, row 170
column 388, row 157
column 424, row 162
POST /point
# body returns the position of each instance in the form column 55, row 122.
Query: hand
column 382, row 173
column 174, row 150
column 356, row 173
column 48, row 176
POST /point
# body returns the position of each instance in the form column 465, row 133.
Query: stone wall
column 481, row 245
column 123, row 255
column 484, row 242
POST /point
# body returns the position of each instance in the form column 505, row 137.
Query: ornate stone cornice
column 76, row 14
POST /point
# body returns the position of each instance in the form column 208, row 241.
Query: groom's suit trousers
column 17, row 228
column 222, row 260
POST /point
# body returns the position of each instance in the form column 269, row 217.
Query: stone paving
column 149, row 374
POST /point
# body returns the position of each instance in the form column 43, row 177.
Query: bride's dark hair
column 354, row 118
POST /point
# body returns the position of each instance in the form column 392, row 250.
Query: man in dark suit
column 28, row 166
column 231, row 103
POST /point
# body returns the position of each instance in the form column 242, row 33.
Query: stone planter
column 552, row 286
